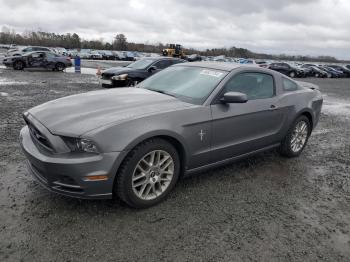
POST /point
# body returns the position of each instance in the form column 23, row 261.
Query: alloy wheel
column 299, row 136
column 18, row 65
column 153, row 175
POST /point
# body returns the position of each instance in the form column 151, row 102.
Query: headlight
column 120, row 77
column 86, row 145
column 80, row 145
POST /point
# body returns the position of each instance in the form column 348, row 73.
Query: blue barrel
column 77, row 64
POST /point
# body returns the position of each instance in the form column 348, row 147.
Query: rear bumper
column 67, row 174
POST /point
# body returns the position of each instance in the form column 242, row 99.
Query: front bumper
column 67, row 174
column 7, row 63
column 109, row 82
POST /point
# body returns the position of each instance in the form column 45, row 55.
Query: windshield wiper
column 162, row 92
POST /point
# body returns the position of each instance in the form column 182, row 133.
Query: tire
column 317, row 75
column 132, row 82
column 144, row 189
column 18, row 65
column 292, row 74
column 287, row 148
column 60, row 66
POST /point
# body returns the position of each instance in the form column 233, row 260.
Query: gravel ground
column 265, row 208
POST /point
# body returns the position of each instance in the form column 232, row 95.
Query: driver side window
column 162, row 64
column 254, row 85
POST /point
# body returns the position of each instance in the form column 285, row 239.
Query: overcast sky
column 313, row 27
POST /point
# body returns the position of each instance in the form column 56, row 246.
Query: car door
column 36, row 59
column 50, row 60
column 286, row 69
column 240, row 128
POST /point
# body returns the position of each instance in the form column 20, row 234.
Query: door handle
column 273, row 107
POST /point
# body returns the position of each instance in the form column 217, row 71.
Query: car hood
column 78, row 114
column 117, row 70
column 11, row 56
column 308, row 85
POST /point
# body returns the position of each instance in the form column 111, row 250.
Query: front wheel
column 296, row 138
column 292, row 74
column 148, row 174
column 132, row 82
column 18, row 65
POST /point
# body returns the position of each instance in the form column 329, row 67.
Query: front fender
column 125, row 136
column 157, row 133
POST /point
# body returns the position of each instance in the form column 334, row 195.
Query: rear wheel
column 292, row 74
column 296, row 138
column 18, row 65
column 148, row 174
column 60, row 66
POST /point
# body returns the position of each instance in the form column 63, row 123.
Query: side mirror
column 234, row 97
column 152, row 68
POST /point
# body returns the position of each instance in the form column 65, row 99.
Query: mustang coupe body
column 136, row 142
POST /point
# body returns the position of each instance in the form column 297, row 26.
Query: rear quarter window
column 289, row 85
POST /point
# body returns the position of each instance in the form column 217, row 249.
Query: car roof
column 223, row 66
column 33, row 52
column 35, row 46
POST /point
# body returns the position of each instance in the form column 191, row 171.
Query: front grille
column 106, row 76
column 38, row 136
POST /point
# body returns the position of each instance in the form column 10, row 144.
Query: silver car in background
column 135, row 143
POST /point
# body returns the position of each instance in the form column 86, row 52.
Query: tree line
column 120, row 43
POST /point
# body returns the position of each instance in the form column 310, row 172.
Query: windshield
column 141, row 64
column 189, row 84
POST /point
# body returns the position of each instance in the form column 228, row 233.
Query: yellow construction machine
column 174, row 50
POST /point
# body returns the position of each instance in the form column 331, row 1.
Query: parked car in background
column 135, row 143
column 106, row 55
column 263, row 64
column 119, row 55
column 220, row 58
column 72, row 53
column 129, row 56
column 194, row 58
column 287, row 69
column 342, row 69
column 60, row 51
column 136, row 72
column 332, row 73
column 306, row 72
column 311, row 70
column 248, row 61
column 41, row 59
column 85, row 54
column 317, row 72
column 96, row 55
column 23, row 50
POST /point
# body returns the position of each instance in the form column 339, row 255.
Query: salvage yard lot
column 264, row 208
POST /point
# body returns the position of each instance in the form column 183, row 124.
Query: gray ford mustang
column 136, row 142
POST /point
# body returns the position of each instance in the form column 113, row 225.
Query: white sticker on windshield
column 211, row 73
